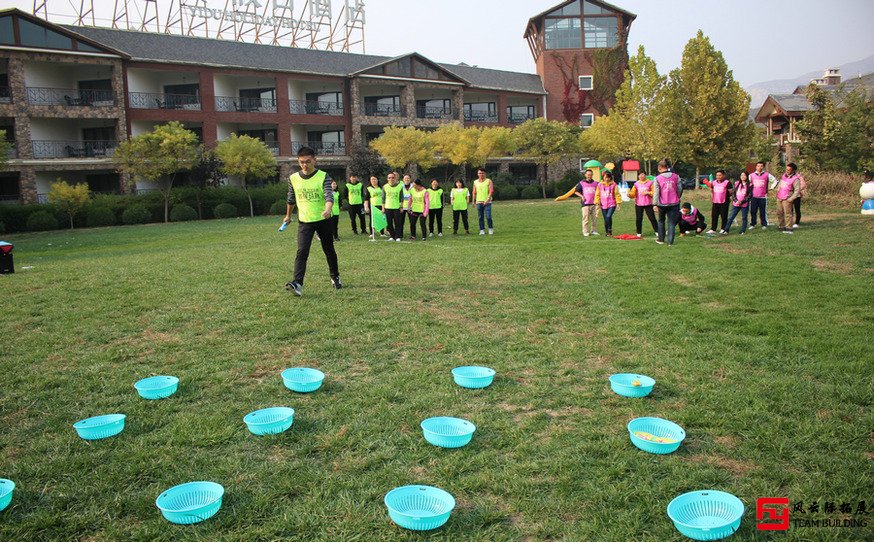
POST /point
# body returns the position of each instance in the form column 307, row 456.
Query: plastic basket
column 631, row 385
column 447, row 432
column 473, row 377
column 419, row 508
column 706, row 515
column 655, row 435
column 302, row 379
column 100, row 427
column 269, row 421
column 6, row 489
column 190, row 503
column 157, row 387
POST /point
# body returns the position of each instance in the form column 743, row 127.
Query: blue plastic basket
column 269, row 421
column 658, row 428
column 473, row 377
column 706, row 515
column 448, row 432
column 302, row 379
column 157, row 387
column 623, row 384
column 100, row 427
column 190, row 503
column 419, row 508
column 6, row 489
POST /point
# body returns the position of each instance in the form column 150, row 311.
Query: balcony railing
column 383, row 110
column 42, row 198
column 73, row 149
column 308, row 107
column 322, row 148
column 5, row 95
column 480, row 116
column 10, row 198
column 425, row 112
column 156, row 100
column 248, row 105
column 70, row 97
column 519, row 118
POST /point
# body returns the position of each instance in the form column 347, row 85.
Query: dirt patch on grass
column 738, row 469
column 732, row 249
column 835, row 267
column 726, row 441
column 569, row 411
column 682, row 280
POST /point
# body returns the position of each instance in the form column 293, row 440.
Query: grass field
column 761, row 346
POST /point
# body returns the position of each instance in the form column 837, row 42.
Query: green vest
column 482, row 190
column 459, row 199
column 375, row 196
column 309, row 195
column 418, row 200
column 356, row 194
column 406, row 193
column 436, row 201
column 335, row 210
column 392, row 196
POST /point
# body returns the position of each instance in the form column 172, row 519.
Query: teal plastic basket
column 706, row 515
column 473, row 377
column 623, row 384
column 269, row 421
column 302, row 379
column 419, row 508
column 6, row 489
column 157, row 387
column 190, row 503
column 655, row 428
column 100, row 427
column 447, row 432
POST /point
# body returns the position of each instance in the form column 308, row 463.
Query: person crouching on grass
column 607, row 198
column 310, row 190
column 418, row 209
column 691, row 219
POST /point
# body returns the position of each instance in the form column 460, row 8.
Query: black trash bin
column 6, row 265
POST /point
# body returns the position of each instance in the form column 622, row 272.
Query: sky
column 761, row 40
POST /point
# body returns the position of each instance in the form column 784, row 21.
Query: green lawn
column 761, row 346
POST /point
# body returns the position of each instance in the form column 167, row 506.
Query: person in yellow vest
column 373, row 200
column 355, row 203
column 310, row 190
column 392, row 203
column 405, row 202
column 483, row 192
column 459, row 198
column 435, row 203
column 335, row 211
column 418, row 209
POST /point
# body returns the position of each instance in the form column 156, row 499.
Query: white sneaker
column 492, row 232
column 711, row 231
column 723, row 232
column 794, row 226
column 482, row 232
column 659, row 242
column 440, row 235
column 585, row 235
column 764, row 228
column 398, row 239
column 639, row 236
column 595, row 233
column 431, row 234
column 752, row 227
column 372, row 239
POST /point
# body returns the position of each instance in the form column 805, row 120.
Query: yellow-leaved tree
column 69, row 198
column 401, row 147
column 245, row 157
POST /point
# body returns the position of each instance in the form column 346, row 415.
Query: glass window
column 6, row 34
column 591, row 9
column 103, row 133
column 601, row 32
column 187, row 90
column 570, row 9
column 400, row 67
column 85, row 47
column 96, row 84
column 563, row 33
column 426, row 72
column 34, row 35
column 586, row 119
column 333, row 98
column 481, row 107
column 586, row 82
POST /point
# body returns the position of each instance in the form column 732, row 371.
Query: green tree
column 69, row 198
column 455, row 144
column 245, row 157
column 494, row 142
column 5, row 148
column 365, row 162
column 546, row 142
column 157, row 156
column 401, row 147
column 838, row 134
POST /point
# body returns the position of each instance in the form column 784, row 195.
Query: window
column 424, row 71
column 257, row 99
column 570, row 9
column 185, row 90
column 267, row 136
column 520, row 113
column 400, row 67
column 601, row 32
column 591, row 9
column 103, row 183
column 586, row 82
column 586, row 120
column 34, row 35
column 382, row 105
column 481, row 112
column 563, row 33
column 329, row 98
column 6, row 34
column 9, row 188
column 104, row 133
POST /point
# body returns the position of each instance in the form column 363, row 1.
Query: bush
column 2, row 228
column 136, row 214
column 42, row 221
column 832, row 188
column 212, row 197
column 279, row 207
column 532, row 192
column 225, row 210
column 97, row 217
column 264, row 197
column 182, row 213
column 501, row 178
column 506, row 191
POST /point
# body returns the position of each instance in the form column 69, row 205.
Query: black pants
column 435, row 214
column 305, row 232
column 392, row 218
column 797, row 205
column 671, row 214
column 455, row 217
column 400, row 227
column 335, row 226
column 638, row 218
column 719, row 210
column 686, row 227
column 759, row 208
column 357, row 210
column 420, row 218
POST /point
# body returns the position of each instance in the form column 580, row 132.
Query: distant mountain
column 759, row 91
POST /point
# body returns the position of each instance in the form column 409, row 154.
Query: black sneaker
column 294, row 287
column 336, row 283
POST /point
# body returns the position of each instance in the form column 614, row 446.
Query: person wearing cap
column 667, row 192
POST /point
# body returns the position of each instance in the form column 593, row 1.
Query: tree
column 546, row 142
column 206, row 174
column 157, row 156
column 364, row 162
column 69, row 198
column 401, row 147
column 5, row 148
column 838, row 134
column 245, row 157
column 455, row 144
column 493, row 142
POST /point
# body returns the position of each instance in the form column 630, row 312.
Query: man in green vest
column 405, row 204
column 355, row 202
column 335, row 211
column 310, row 190
column 393, row 198
column 483, row 191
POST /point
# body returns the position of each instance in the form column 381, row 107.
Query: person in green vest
column 483, row 192
column 405, row 202
column 310, row 190
column 393, row 197
column 373, row 200
column 435, row 201
column 418, row 209
column 355, row 203
column 460, row 199
column 335, row 211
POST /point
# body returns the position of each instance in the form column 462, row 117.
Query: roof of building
column 631, row 15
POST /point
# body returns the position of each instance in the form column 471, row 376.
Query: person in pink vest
column 760, row 181
column 788, row 190
column 741, row 194
column 719, row 196
column 586, row 191
column 667, row 192
column 607, row 198
column 691, row 219
column 802, row 193
column 641, row 193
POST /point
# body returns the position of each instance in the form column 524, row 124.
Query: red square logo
column 772, row 513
